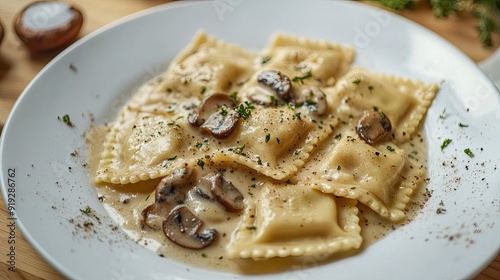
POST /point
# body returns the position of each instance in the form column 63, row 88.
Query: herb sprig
column 486, row 12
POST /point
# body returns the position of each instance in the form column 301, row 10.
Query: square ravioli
column 379, row 176
column 402, row 100
column 295, row 220
column 274, row 141
column 207, row 65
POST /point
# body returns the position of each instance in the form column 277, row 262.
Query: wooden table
column 18, row 67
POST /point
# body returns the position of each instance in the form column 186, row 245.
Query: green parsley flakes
column 469, row 152
column 245, row 110
column 65, row 119
column 445, row 144
column 300, row 79
column 86, row 211
column 239, row 150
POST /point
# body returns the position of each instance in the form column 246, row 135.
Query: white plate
column 98, row 73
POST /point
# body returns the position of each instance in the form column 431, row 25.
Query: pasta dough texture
column 287, row 141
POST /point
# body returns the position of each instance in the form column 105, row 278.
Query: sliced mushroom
column 209, row 105
column 312, row 98
column 183, row 228
column 373, row 126
column 168, row 194
column 216, row 115
column 221, row 125
column 277, row 81
column 202, row 189
column 226, row 194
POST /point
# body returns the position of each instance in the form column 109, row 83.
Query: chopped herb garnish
column 268, row 137
column 259, row 161
column 239, row 150
column 66, row 120
column 375, row 108
column 73, row 154
column 382, row 115
column 296, row 116
column 203, row 255
column 311, row 102
column 445, row 144
column 469, row 152
column 370, row 88
column 201, row 163
column 440, row 210
column 338, row 167
column 338, row 136
column 169, row 90
column 86, row 211
column 443, row 114
column 300, row 79
column 274, row 100
column 390, row 148
column 297, row 152
column 252, row 227
column 265, row 60
column 147, row 197
column 234, row 95
column 199, row 145
column 223, row 111
column 462, row 125
column 245, row 110
column 428, row 192
column 174, row 123
column 203, row 89
column 357, row 81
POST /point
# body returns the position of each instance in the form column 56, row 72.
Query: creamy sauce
column 124, row 204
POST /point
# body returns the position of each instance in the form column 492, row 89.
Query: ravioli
column 295, row 220
column 382, row 178
column 275, row 141
column 404, row 101
column 139, row 148
column 207, row 65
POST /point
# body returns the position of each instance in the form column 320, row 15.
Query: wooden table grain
column 18, row 67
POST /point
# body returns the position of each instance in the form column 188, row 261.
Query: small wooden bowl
column 48, row 25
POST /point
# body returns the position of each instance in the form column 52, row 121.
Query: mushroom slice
column 183, row 228
column 221, row 123
column 312, row 98
column 168, row 194
column 226, row 194
column 202, row 189
column 373, row 126
column 211, row 104
column 277, row 81
column 216, row 115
